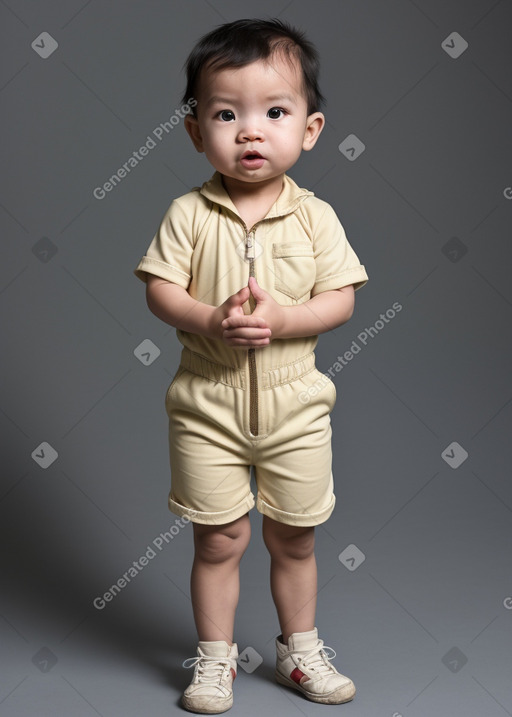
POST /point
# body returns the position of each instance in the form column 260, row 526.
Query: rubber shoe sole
column 207, row 705
column 336, row 697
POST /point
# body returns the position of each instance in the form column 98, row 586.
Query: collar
column 287, row 202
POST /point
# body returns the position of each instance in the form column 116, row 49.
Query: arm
column 173, row 304
column 323, row 312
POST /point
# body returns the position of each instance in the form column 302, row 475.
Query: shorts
column 212, row 450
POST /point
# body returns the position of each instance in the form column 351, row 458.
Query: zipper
column 253, row 376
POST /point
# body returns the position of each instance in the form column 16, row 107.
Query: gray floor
column 415, row 590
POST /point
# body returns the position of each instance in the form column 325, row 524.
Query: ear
column 192, row 127
column 314, row 125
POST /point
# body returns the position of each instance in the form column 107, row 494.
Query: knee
column 220, row 543
column 288, row 542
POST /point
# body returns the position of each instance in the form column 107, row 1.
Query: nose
column 249, row 131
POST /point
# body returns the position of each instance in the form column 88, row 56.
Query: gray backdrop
column 415, row 580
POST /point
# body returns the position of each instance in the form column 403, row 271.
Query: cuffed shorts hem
column 213, row 518
column 299, row 519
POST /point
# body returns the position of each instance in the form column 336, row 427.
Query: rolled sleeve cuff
column 148, row 265
column 356, row 275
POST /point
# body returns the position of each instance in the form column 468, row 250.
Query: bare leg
column 215, row 578
column 293, row 574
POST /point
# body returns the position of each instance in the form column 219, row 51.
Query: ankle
column 286, row 634
column 209, row 637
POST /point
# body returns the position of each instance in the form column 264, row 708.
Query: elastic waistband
column 238, row 377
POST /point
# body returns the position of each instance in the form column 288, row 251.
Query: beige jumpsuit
column 230, row 409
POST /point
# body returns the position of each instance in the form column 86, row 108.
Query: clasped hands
column 249, row 330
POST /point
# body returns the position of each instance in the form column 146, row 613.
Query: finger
column 246, row 332
column 236, row 300
column 256, row 289
column 244, row 320
column 247, row 343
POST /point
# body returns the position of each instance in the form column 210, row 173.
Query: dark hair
column 241, row 42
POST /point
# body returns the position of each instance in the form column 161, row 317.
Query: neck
column 266, row 191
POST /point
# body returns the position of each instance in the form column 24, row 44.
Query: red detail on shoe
column 297, row 676
column 233, row 674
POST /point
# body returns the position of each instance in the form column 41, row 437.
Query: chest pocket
column 294, row 269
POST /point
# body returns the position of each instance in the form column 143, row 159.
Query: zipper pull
column 249, row 245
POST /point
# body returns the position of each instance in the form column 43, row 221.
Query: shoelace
column 209, row 669
column 317, row 660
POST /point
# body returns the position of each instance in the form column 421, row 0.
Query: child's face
column 260, row 108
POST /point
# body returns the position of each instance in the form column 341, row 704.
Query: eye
column 275, row 113
column 226, row 115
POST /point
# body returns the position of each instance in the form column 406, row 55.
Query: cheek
column 291, row 143
column 219, row 138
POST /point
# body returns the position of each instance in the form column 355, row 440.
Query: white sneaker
column 304, row 665
column 211, row 690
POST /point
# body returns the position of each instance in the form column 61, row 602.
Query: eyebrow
column 281, row 96
column 270, row 98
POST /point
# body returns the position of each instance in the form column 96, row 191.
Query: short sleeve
column 169, row 255
column 337, row 264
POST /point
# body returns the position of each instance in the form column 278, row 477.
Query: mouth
column 252, row 159
column 251, row 153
